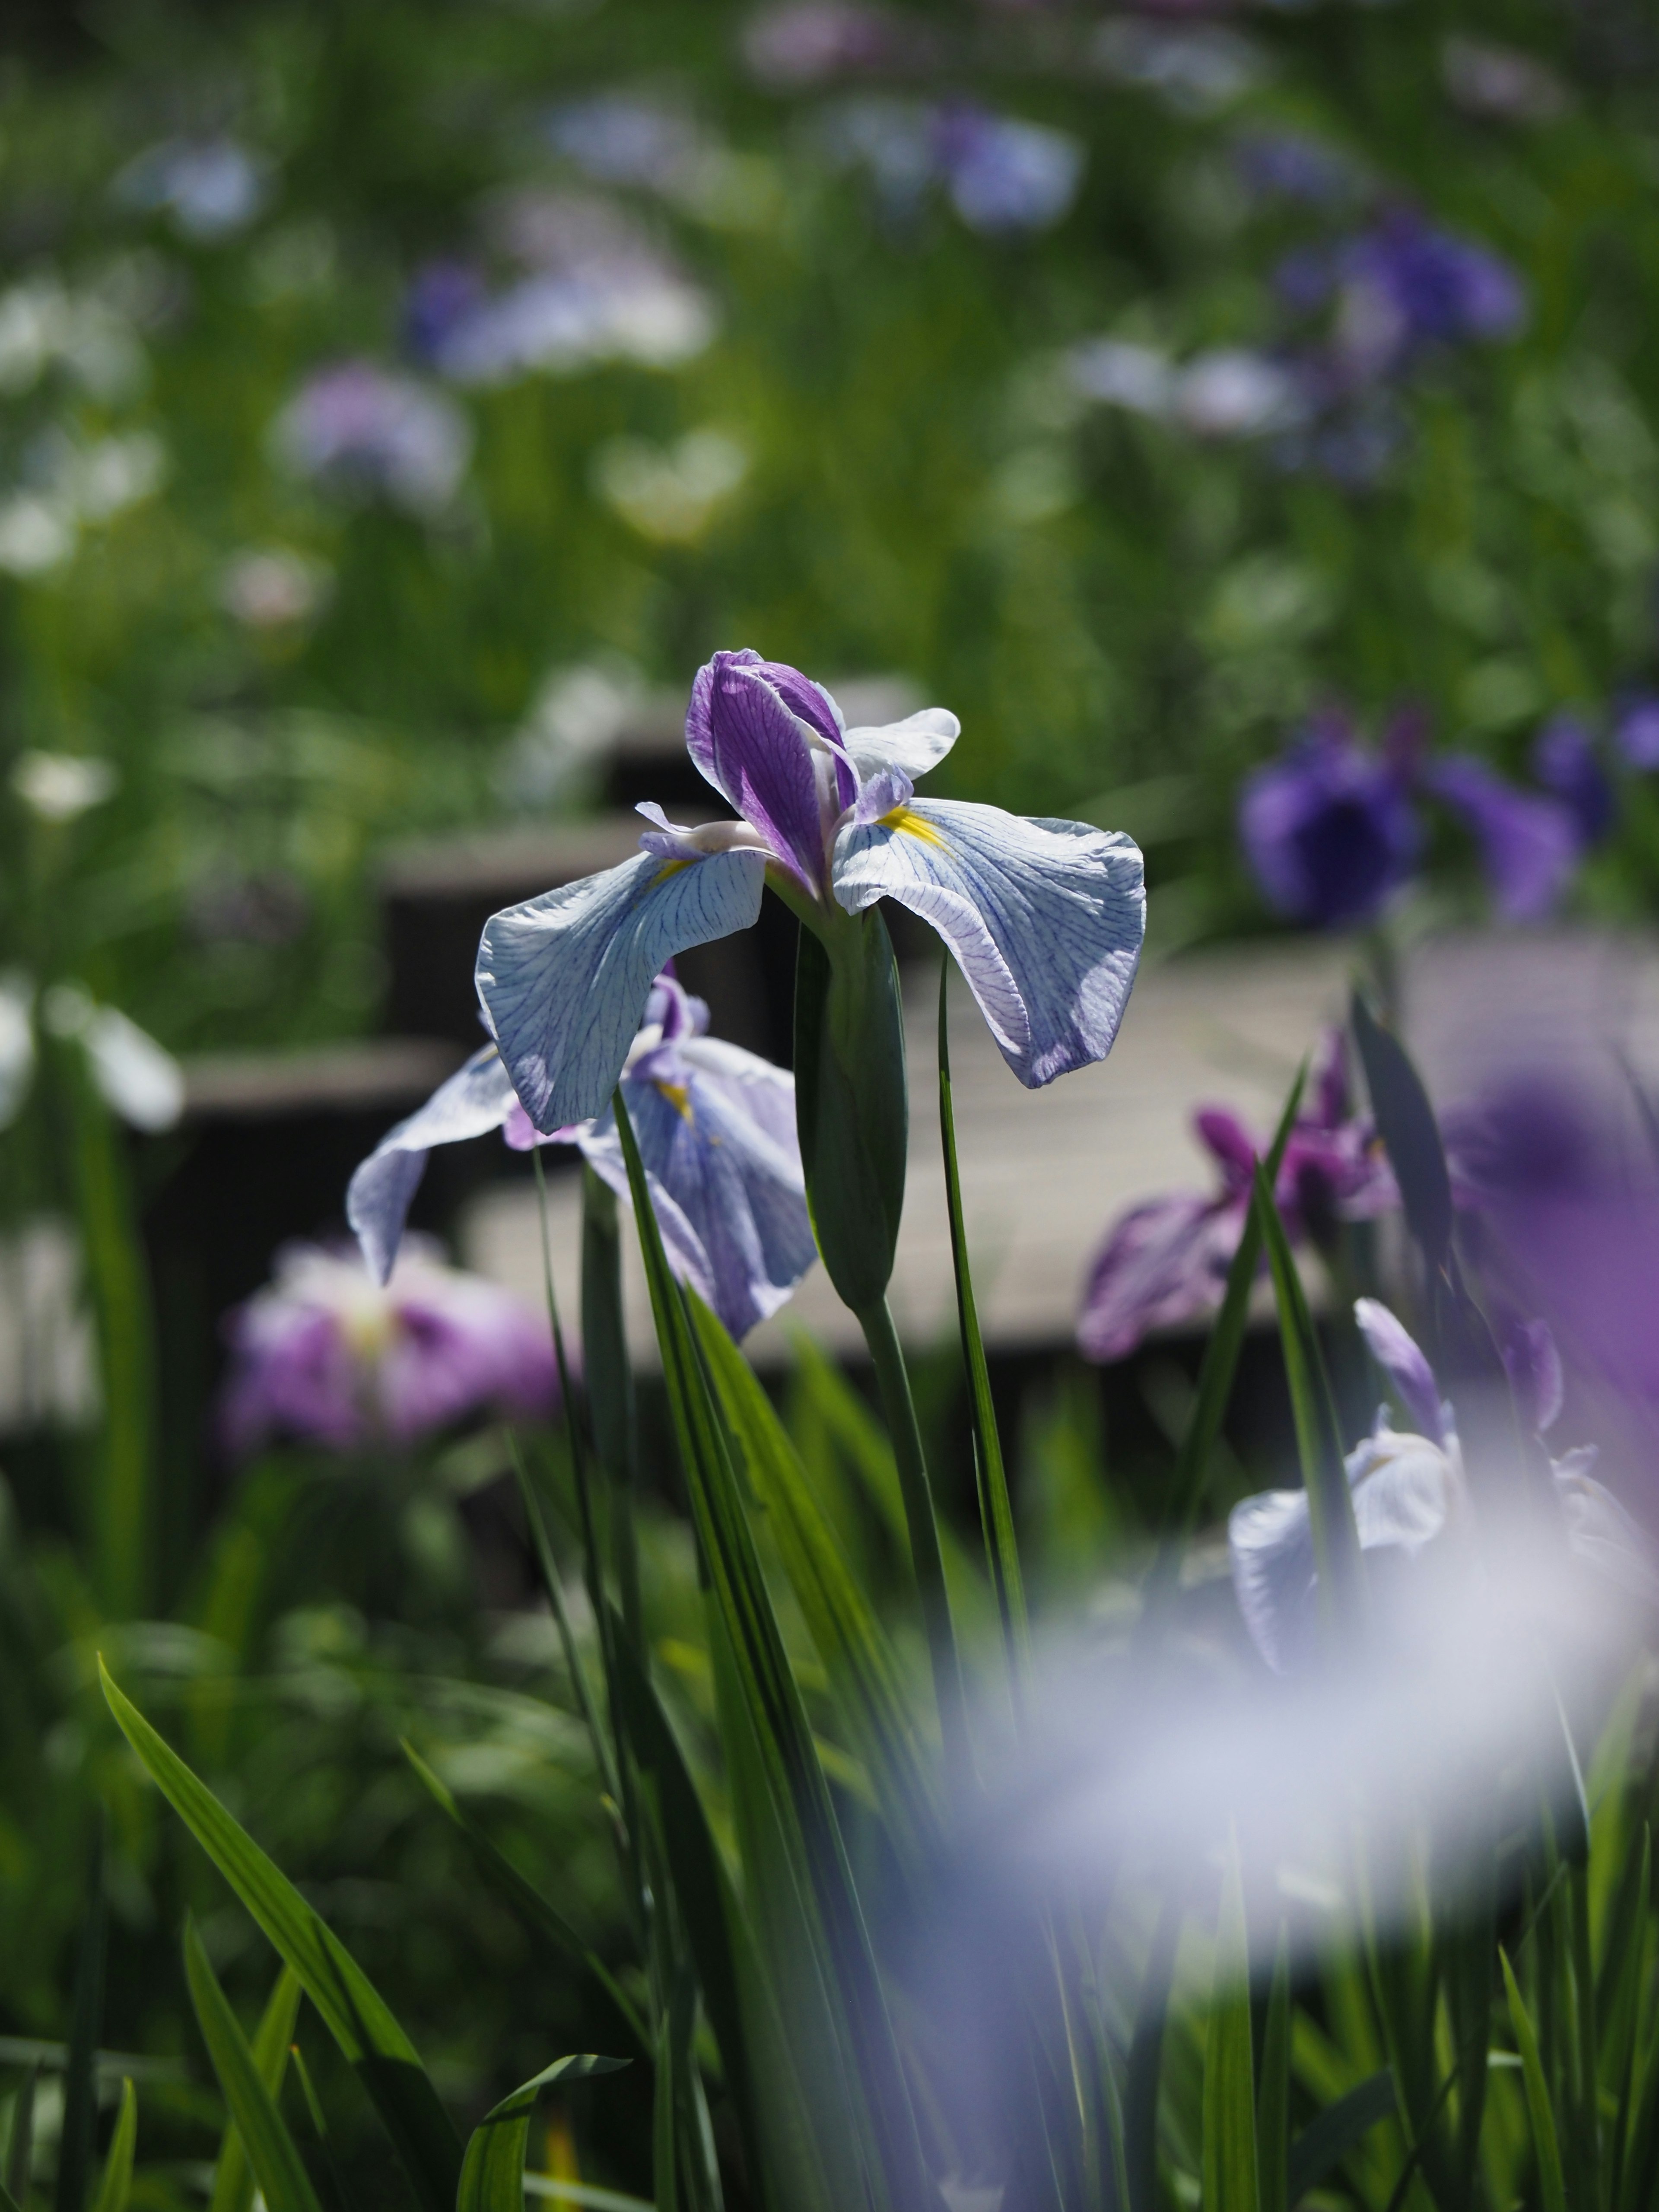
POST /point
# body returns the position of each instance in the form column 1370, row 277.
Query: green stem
column 893, row 1380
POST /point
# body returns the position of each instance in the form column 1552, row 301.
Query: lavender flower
column 212, row 188
column 1328, row 828
column 1529, row 846
column 325, row 1355
column 1294, row 165
column 793, row 48
column 1565, row 762
column 362, row 431
column 1004, row 176
column 1408, row 1489
column 1165, row 1263
column 1406, row 286
column 1045, row 918
column 1636, row 736
column 716, row 1131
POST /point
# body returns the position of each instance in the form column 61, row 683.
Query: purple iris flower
column 441, row 297
column 1005, row 176
column 1529, row 846
column 1165, row 1263
column 327, row 1355
column 1565, row 762
column 716, row 1131
column 1405, row 285
column 1294, row 165
column 1636, row 735
column 359, row 430
column 1044, row 917
column 1408, row 1489
column 1328, row 828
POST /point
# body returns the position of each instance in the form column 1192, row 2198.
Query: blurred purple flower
column 1294, row 165
column 1565, row 762
column 1636, row 735
column 325, row 1355
column 359, row 429
column 1003, row 175
column 1328, row 828
column 1406, row 286
column 716, row 1131
column 793, row 48
column 1166, row 1261
column 1529, row 846
column 440, row 297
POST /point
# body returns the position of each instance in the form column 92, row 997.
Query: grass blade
column 1552, row 2186
column 1410, row 1134
column 352, row 2008
column 19, row 2151
column 1273, row 2104
column 1146, row 2060
column 1336, row 2131
column 492, row 2174
column 80, row 2067
column 608, row 1379
column 115, row 2187
column 278, row 2166
column 996, row 1512
column 1229, row 2141
column 232, row 2181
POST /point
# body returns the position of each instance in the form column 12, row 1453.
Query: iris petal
column 1270, row 1541
column 1045, row 918
column 1400, row 1358
column 758, row 752
column 913, row 746
column 564, row 978
column 476, row 1099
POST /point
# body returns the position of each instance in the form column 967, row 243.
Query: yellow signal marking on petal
column 679, row 1096
column 671, row 868
column 906, row 819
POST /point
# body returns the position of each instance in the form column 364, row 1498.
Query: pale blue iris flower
column 1409, row 1489
column 716, row 1131
column 1044, row 917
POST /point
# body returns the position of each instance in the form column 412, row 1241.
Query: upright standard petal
column 1529, row 847
column 913, row 746
column 1163, row 1263
column 564, row 978
column 756, row 746
column 476, row 1099
column 1045, row 918
column 1400, row 1360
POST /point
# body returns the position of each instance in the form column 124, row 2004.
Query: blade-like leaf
column 584, row 2193
column 996, row 1510
column 1405, row 1123
column 278, row 2166
column 81, row 2070
column 608, row 1380
column 233, row 2180
column 352, row 2008
column 492, row 2176
column 1329, row 2138
column 1215, row 1384
column 1273, row 2104
column 116, row 2186
column 1552, row 2186
column 1230, row 2152
column 1145, row 2061
column 19, row 2151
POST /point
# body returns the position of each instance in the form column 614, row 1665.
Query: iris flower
column 1409, row 1489
column 716, row 1130
column 1044, row 917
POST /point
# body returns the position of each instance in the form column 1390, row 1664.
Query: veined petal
column 1045, row 918
column 476, row 1099
column 757, row 752
column 920, row 742
column 1400, row 1360
column 719, row 1150
column 1164, row 1262
column 1270, row 1546
column 564, row 978
column 1599, row 1530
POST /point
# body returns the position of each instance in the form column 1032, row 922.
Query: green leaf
column 1338, row 2128
column 1273, row 2106
column 864, row 1671
column 116, row 2186
column 1405, row 1123
column 81, row 2068
column 492, row 2175
column 1552, row 2186
column 352, row 2008
column 1140, row 2095
column 232, row 2181
column 1229, row 2146
column 608, row 1380
column 996, row 1510
column 867, row 2091
column 278, row 2166
column 1215, row 1385
column 19, row 2151
column 852, row 1100
column 526, row 1900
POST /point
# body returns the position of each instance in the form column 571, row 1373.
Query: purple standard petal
column 1403, row 1364
column 1328, row 830
column 753, row 728
column 1565, row 762
column 1636, row 735
column 474, row 1100
column 716, row 1128
column 1533, row 1367
column 564, row 978
column 1529, row 847
column 1164, row 1263
column 1045, row 918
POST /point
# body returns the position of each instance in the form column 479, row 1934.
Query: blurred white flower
column 104, row 478
column 212, row 188
column 1501, row 82
column 670, row 492
column 358, row 429
column 269, row 588
column 48, row 1364
column 1123, row 374
column 44, row 325
column 59, row 786
column 136, row 1077
column 16, row 1043
column 575, row 719
column 1232, row 392
column 36, row 536
column 1195, row 70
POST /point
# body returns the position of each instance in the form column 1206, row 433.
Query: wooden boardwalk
column 1044, row 1173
